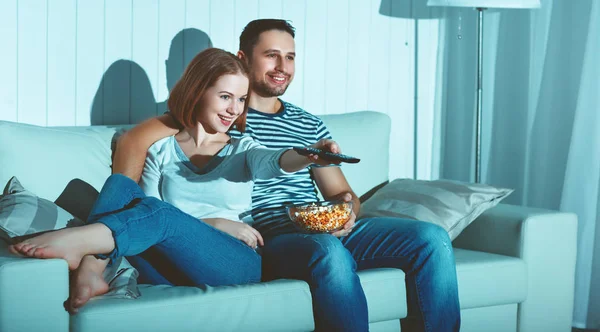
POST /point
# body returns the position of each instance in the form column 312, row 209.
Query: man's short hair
column 252, row 31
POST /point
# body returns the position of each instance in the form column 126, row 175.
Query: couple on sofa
column 194, row 163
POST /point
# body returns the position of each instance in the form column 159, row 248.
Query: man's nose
column 282, row 65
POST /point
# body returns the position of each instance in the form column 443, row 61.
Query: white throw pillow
column 452, row 205
column 23, row 213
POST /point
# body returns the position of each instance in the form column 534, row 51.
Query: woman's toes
column 37, row 252
column 29, row 250
column 18, row 247
column 13, row 250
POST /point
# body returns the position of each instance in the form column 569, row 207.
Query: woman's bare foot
column 86, row 282
column 70, row 244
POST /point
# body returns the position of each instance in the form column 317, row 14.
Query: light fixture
column 480, row 6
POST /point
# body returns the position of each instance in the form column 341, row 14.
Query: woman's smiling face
column 223, row 103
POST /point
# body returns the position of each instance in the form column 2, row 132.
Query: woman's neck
column 199, row 137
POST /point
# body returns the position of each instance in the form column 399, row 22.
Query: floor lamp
column 480, row 6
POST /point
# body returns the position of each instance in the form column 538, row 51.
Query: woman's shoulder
column 243, row 142
column 161, row 146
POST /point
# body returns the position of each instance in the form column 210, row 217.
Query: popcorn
column 321, row 218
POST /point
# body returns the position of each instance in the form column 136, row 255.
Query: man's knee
column 434, row 237
column 330, row 253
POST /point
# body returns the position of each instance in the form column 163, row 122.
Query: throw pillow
column 452, row 205
column 23, row 213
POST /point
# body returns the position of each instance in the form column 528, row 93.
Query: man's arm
column 133, row 145
column 333, row 185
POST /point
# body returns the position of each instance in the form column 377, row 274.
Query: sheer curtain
column 541, row 121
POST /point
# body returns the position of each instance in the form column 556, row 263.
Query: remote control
column 329, row 156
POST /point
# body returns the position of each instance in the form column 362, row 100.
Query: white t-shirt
column 223, row 192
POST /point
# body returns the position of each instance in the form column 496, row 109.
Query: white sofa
column 515, row 264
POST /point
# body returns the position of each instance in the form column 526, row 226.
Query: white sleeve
column 262, row 162
column 150, row 180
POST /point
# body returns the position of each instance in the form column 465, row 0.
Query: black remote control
column 329, row 156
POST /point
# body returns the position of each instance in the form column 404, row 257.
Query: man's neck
column 270, row 105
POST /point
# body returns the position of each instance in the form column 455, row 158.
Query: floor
column 584, row 330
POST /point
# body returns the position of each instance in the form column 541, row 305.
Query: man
column 328, row 262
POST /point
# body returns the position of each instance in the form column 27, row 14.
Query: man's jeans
column 422, row 250
column 180, row 244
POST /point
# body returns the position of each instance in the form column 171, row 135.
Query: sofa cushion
column 453, row 205
column 46, row 159
column 280, row 305
column 385, row 290
column 486, row 279
column 272, row 306
column 22, row 213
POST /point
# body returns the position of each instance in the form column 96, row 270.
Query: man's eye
column 291, row 58
column 271, row 55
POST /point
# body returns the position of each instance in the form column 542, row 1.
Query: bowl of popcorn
column 320, row 217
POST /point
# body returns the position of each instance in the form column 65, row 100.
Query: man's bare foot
column 70, row 244
column 86, row 282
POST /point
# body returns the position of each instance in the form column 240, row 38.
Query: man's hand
column 349, row 225
column 238, row 230
column 325, row 145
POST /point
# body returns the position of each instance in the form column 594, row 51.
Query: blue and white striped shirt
column 291, row 127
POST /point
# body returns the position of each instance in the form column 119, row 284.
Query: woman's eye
column 243, row 99
column 225, row 97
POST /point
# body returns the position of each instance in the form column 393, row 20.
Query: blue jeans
column 422, row 250
column 181, row 245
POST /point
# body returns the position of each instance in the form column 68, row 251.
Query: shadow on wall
column 125, row 94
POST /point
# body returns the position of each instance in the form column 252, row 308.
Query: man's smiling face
column 272, row 63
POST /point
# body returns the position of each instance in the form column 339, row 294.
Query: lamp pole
column 479, row 94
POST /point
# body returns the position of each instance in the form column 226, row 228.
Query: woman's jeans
column 422, row 250
column 172, row 242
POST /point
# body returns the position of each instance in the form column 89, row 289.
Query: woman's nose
column 236, row 107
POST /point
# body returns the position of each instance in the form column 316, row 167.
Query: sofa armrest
column 32, row 292
column 547, row 242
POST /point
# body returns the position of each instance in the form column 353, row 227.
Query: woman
column 195, row 187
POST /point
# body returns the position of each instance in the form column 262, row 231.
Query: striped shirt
column 290, row 127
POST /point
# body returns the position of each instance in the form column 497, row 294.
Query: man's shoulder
column 294, row 110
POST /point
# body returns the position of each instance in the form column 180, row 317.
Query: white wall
column 54, row 54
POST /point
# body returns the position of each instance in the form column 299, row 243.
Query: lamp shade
column 486, row 3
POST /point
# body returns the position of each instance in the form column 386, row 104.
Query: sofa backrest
column 365, row 135
column 46, row 159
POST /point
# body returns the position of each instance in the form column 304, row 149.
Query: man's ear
column 244, row 57
column 241, row 55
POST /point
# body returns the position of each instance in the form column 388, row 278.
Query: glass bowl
column 320, row 217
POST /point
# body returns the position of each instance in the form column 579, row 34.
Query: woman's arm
column 238, row 230
column 133, row 145
column 291, row 161
column 264, row 163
